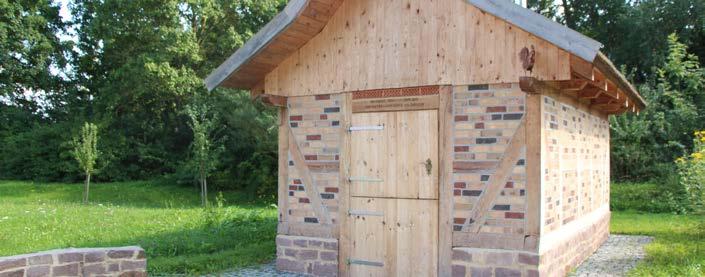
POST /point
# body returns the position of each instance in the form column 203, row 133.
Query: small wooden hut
column 434, row 137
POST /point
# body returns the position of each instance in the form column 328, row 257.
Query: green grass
column 177, row 235
column 679, row 245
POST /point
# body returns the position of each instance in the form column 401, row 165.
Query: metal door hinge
column 366, row 128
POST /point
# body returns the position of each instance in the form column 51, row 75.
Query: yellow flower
column 680, row 160
column 697, row 156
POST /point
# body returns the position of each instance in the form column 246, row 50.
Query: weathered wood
column 412, row 103
column 344, row 193
column 498, row 178
column 534, row 134
column 311, row 189
column 273, row 100
column 445, row 206
column 283, row 165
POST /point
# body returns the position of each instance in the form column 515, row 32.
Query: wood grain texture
column 344, row 194
column 371, row 44
column 445, row 163
column 283, row 165
column 533, row 135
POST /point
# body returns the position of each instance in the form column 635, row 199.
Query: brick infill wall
column 313, row 256
column 120, row 261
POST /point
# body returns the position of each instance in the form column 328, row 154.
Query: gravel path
column 615, row 258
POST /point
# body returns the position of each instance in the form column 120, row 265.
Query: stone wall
column 314, row 256
column 123, row 262
column 491, row 262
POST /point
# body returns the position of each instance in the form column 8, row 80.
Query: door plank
column 445, row 163
column 499, row 178
column 311, row 189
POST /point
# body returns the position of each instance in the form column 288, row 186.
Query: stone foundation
column 565, row 249
column 307, row 255
column 123, row 262
column 491, row 262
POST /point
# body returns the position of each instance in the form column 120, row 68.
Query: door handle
column 429, row 166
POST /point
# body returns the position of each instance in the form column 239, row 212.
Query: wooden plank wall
column 371, row 44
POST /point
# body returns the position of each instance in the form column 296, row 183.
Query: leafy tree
column 86, row 153
column 205, row 147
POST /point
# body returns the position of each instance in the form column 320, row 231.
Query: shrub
column 691, row 169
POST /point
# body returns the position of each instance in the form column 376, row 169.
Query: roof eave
column 602, row 63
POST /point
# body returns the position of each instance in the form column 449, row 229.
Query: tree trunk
column 86, row 188
column 205, row 190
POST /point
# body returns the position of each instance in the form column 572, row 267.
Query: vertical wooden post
column 534, row 131
column 445, row 171
column 344, row 189
column 283, row 196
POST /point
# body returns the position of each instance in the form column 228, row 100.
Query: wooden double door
column 393, row 217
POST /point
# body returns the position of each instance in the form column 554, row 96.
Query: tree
column 205, row 148
column 86, row 153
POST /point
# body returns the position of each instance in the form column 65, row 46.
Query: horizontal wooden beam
column 273, row 100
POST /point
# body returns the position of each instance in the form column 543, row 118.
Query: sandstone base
column 122, row 261
column 307, row 255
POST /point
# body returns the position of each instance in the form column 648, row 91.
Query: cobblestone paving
column 615, row 258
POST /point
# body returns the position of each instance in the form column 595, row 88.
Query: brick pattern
column 485, row 119
column 315, row 123
column 313, row 256
column 570, row 253
column 122, row 262
column 576, row 178
column 489, row 262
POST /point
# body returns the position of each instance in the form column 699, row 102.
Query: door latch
column 429, row 167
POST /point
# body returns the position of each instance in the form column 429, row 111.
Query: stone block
column 506, row 272
column 95, row 257
column 528, row 259
column 71, row 257
column 324, row 269
column 301, row 242
column 39, row 271
column 14, row 273
column 121, row 254
column 329, row 255
column 458, row 271
column 290, row 265
column 41, row 259
column 480, row 271
column 94, row 269
column 308, row 254
column 12, row 263
column 65, row 270
column 330, row 245
column 134, row 274
column 282, row 241
column 290, row 252
column 133, row 265
column 499, row 258
column 460, row 255
column 113, row 267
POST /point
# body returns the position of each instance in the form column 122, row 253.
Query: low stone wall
column 307, row 255
column 122, row 261
column 494, row 262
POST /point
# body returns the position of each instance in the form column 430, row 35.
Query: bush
column 662, row 197
column 691, row 169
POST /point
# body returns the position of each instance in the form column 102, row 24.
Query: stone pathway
column 615, row 258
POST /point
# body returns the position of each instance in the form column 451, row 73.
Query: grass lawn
column 177, row 235
column 679, row 247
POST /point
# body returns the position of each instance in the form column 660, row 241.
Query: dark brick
column 73, row 257
column 522, row 192
column 16, row 273
column 509, row 185
column 281, row 241
column 114, row 267
column 472, row 192
column 293, row 187
column 330, row 245
column 333, row 190
column 528, row 259
column 506, row 272
column 501, row 207
column 331, row 110
column 458, row 270
column 462, row 149
column 65, row 270
column 94, row 269
column 500, row 109
column 304, row 200
column 459, row 118
column 325, row 269
column 514, row 215
column 10, row 264
column 291, row 163
column 291, row 193
column 120, row 254
column 316, row 243
column 308, row 254
column 329, row 255
column 478, row 87
column 486, row 140
column 480, row 125
column 294, row 124
column 296, row 118
column 513, row 116
column 327, row 196
column 481, row 271
column 313, row 137
column 485, row 178
column 301, row 243
column 290, row 266
column 95, row 257
column 40, row 271
column 335, row 123
column 41, row 259
column 322, row 97
column 496, row 117
column 521, row 162
column 311, row 220
column 457, row 228
column 290, row 252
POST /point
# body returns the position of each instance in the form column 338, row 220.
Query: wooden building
column 434, row 137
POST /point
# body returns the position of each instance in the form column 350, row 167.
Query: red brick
column 457, row 192
column 293, row 187
column 313, row 137
column 473, row 166
column 311, row 157
column 460, row 185
column 509, row 185
column 480, row 125
column 514, row 215
column 459, row 118
column 334, row 190
column 297, row 181
column 459, row 220
column 296, row 118
column 304, row 200
column 500, row 109
column 462, row 149
column 322, row 97
column 323, row 117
